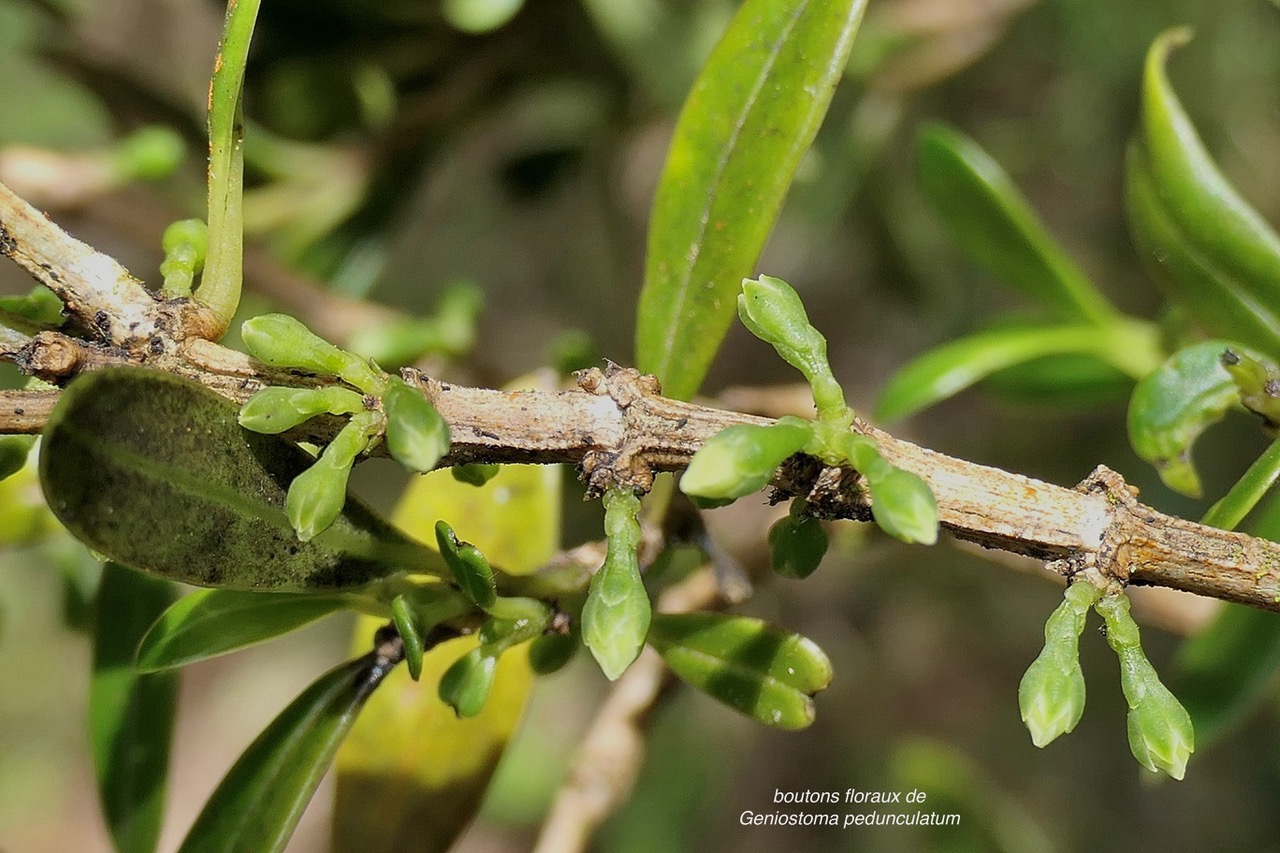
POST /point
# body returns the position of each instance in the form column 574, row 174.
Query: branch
column 619, row 429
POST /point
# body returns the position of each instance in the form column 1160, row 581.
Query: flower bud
column 468, row 566
column 316, row 496
column 417, row 435
column 282, row 341
column 741, row 459
column 465, row 686
column 904, row 507
column 1052, row 693
column 798, row 543
column 615, row 618
column 276, row 409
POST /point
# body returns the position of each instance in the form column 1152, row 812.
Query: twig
column 621, row 431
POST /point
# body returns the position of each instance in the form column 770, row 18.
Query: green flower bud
column 465, row 686
column 316, row 496
column 1258, row 383
column 417, row 435
column 185, row 242
column 904, row 507
column 475, row 474
column 741, row 459
column 282, row 341
column 276, row 409
column 1161, row 735
column 468, row 566
column 1051, row 695
column 550, row 652
column 797, row 542
column 409, row 627
column 772, row 310
column 615, row 618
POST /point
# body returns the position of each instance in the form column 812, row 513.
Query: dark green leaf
column 154, row 471
column 953, row 367
column 1174, row 404
column 993, row 223
column 1069, row 380
column 13, row 453
column 212, row 622
column 1198, row 237
column 550, row 652
column 752, row 113
column 259, row 802
column 797, row 545
column 465, row 686
column 130, row 713
column 747, row 664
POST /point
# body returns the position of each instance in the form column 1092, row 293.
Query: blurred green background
column 399, row 146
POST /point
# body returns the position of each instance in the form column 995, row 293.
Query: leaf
column 752, row 114
column 153, row 471
column 749, row 665
column 1198, row 237
column 991, row 220
column 949, row 369
column 212, row 622
column 131, row 714
column 1174, row 404
column 258, row 803
column 411, row 775
column 470, row 570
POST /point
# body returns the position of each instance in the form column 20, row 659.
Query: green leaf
column 259, row 802
column 153, row 471
column 417, row 435
column 747, row 664
column 615, row 618
column 131, row 714
column 949, row 369
column 752, row 114
column 1197, row 235
column 989, row 218
column 474, row 474
column 212, row 622
column 13, row 453
column 1174, row 404
column 550, row 652
column 741, row 459
column 41, row 308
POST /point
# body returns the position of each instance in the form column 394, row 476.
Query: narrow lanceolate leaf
column 752, row 113
column 951, row 368
column 153, row 471
column 989, row 218
column 130, row 713
column 1174, row 404
column 212, row 622
column 260, row 800
column 749, row 665
column 1197, row 235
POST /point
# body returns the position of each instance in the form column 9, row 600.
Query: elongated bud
column 276, row 409
column 741, row 459
column 1052, row 693
column 1161, row 735
column 282, row 341
column 316, row 496
column 185, row 242
column 468, row 566
column 615, row 618
column 772, row 310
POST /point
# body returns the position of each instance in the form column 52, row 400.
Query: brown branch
column 621, row 431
